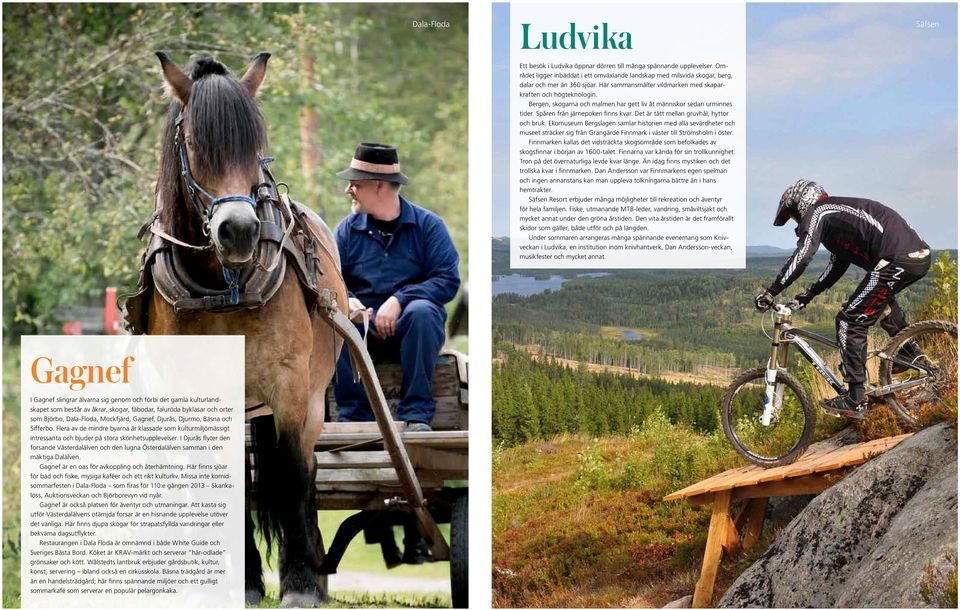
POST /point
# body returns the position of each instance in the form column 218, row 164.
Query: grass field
column 580, row 522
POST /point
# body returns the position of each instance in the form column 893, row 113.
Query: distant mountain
column 762, row 250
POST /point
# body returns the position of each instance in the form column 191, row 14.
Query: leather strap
column 286, row 233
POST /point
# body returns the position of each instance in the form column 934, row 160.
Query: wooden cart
column 380, row 470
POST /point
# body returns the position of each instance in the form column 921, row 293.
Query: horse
column 214, row 201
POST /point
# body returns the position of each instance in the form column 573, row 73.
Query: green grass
column 580, row 522
column 11, row 477
column 361, row 557
column 375, row 600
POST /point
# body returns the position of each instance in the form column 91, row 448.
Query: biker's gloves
column 802, row 299
column 763, row 301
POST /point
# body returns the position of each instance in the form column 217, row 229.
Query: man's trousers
column 875, row 293
column 416, row 345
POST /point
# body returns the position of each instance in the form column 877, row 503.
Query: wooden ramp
column 752, row 487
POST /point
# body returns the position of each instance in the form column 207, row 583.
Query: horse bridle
column 205, row 213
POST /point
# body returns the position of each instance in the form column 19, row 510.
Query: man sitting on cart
column 400, row 266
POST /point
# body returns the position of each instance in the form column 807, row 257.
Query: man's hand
column 763, row 301
column 357, row 308
column 803, row 299
column 387, row 315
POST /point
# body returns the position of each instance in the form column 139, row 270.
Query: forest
column 696, row 322
column 544, row 399
column 688, row 318
column 83, row 107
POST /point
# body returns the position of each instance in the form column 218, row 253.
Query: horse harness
column 285, row 233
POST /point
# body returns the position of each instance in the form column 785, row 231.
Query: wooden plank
column 705, row 485
column 360, row 488
column 846, row 455
column 723, row 483
column 364, row 427
column 428, row 458
column 392, row 488
column 860, row 454
column 351, row 500
column 357, row 475
column 701, row 499
column 703, row 593
column 756, row 512
column 714, row 483
column 451, row 439
column 447, row 386
column 353, row 459
column 833, row 459
column 448, row 415
column 801, row 467
column 257, row 412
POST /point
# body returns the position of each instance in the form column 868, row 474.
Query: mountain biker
column 859, row 232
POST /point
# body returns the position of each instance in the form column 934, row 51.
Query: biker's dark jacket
column 855, row 231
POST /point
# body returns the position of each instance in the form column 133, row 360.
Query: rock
column 918, row 535
column 847, row 436
column 683, row 602
column 783, row 509
column 865, row 541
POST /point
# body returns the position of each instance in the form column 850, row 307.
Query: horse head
column 211, row 165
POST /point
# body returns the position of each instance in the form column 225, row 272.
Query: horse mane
column 227, row 128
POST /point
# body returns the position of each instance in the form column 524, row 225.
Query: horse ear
column 177, row 83
column 255, row 73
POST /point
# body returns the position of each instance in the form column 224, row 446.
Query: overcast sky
column 855, row 96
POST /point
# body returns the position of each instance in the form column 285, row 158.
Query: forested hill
column 686, row 318
column 543, row 399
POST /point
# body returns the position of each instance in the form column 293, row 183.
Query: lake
column 525, row 285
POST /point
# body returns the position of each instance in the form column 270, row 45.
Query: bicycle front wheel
column 790, row 430
column 920, row 369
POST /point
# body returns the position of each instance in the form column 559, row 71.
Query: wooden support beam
column 701, row 500
column 799, row 486
column 719, row 520
column 741, row 517
column 731, row 537
column 756, row 512
column 810, row 484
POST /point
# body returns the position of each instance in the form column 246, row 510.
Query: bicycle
column 769, row 418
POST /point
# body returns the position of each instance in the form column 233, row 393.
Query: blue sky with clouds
column 855, row 96
column 859, row 98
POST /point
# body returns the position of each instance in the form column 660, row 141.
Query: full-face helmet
column 796, row 199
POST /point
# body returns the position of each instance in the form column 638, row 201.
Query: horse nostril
column 236, row 235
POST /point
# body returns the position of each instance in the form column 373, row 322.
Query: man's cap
column 373, row 161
